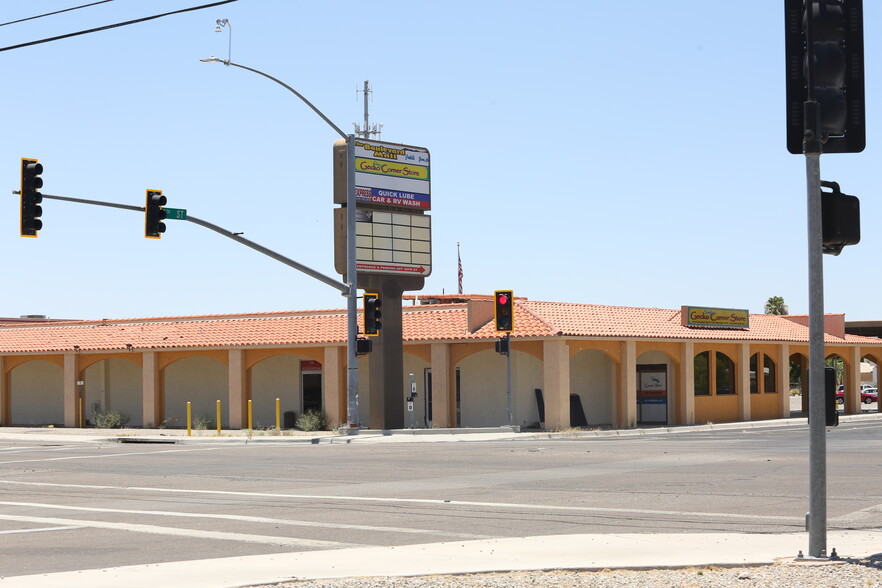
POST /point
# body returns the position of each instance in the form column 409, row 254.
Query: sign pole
column 508, row 375
column 352, row 298
column 817, row 517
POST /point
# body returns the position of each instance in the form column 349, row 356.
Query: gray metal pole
column 508, row 376
column 343, row 288
column 817, row 519
column 352, row 299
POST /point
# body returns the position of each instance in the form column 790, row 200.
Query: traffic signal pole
column 824, row 50
column 817, row 515
column 343, row 288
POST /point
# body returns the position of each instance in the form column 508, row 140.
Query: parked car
column 868, row 395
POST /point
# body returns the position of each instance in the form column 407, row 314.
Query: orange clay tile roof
column 421, row 323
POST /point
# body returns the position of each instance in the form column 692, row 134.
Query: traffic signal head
column 841, row 219
column 504, row 311
column 831, row 414
column 31, row 211
column 372, row 314
column 825, row 68
column 154, row 214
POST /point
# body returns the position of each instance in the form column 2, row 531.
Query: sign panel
column 386, row 242
column 726, row 318
column 393, row 243
column 386, row 175
column 175, row 213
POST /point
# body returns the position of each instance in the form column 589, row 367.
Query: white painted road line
column 172, row 531
column 40, row 530
column 422, row 501
column 249, row 519
column 106, row 455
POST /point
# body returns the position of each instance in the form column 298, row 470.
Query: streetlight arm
column 284, row 85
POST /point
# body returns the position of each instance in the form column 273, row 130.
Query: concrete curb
column 177, row 436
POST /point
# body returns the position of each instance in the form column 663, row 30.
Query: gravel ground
column 854, row 573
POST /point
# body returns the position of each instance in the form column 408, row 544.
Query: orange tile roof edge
column 446, row 322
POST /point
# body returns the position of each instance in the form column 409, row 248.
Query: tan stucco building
column 571, row 364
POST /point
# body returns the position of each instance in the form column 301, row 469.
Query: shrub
column 312, row 420
column 109, row 419
column 203, row 423
column 169, row 423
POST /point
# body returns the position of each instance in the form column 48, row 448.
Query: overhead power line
column 113, row 26
column 51, row 13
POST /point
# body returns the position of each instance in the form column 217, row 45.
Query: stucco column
column 742, row 381
column 151, row 389
column 627, row 396
column 238, row 389
column 686, row 385
column 556, row 381
column 4, row 394
column 783, row 380
column 442, row 391
column 333, row 386
column 71, row 402
column 853, row 389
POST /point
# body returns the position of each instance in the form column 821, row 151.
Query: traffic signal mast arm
column 341, row 287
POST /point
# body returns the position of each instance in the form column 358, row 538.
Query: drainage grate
column 146, row 440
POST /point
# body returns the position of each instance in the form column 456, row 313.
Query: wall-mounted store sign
column 721, row 318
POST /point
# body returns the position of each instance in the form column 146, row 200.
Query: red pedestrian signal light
column 31, row 211
column 154, row 214
column 504, row 311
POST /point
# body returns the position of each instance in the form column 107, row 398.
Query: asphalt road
column 82, row 506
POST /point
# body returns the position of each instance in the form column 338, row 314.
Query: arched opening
column 592, row 377
column 202, row 381
column 37, row 394
column 114, row 385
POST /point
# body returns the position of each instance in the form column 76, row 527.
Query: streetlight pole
column 351, row 276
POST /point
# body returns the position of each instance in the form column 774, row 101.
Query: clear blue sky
column 616, row 153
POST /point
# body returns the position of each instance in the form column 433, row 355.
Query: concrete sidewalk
column 578, row 552
column 90, row 435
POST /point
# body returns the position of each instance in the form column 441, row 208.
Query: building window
column 770, row 378
column 765, row 383
column 702, row 374
column 720, row 379
column 725, row 374
column 754, row 385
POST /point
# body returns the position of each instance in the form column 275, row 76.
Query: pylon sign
column 392, row 195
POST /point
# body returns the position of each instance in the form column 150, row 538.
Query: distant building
column 572, row 364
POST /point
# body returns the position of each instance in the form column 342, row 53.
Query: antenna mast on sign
column 367, row 131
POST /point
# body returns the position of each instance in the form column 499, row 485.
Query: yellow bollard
column 218, row 418
column 189, row 419
column 249, row 415
column 278, row 414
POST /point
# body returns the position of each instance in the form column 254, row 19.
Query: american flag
column 459, row 262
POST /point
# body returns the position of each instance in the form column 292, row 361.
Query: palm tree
column 775, row 305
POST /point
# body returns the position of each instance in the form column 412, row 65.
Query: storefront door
column 652, row 394
column 311, row 385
